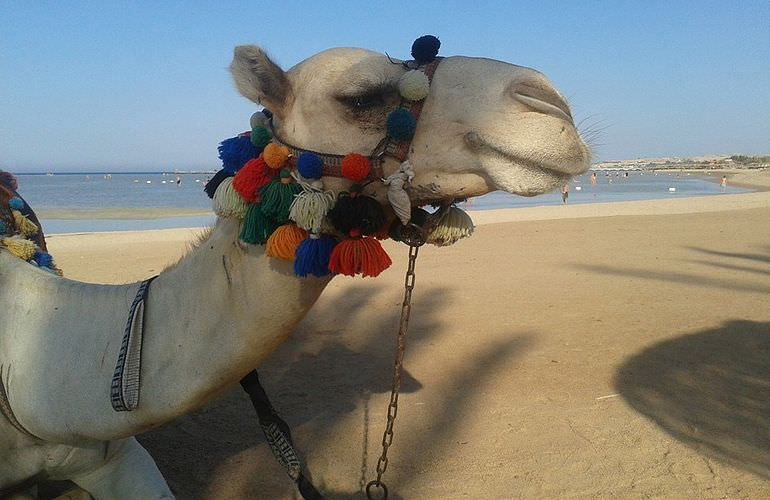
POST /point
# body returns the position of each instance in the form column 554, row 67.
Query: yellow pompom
column 284, row 241
column 20, row 247
column 24, row 226
column 414, row 85
column 275, row 155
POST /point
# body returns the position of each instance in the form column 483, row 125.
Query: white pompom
column 258, row 119
column 413, row 85
column 454, row 226
column 227, row 202
column 309, row 209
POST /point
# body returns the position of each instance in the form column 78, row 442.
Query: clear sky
column 144, row 85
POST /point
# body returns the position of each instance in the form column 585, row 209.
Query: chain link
column 403, row 327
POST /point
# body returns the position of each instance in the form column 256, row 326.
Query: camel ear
column 259, row 79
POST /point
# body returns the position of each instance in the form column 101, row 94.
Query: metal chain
column 387, row 437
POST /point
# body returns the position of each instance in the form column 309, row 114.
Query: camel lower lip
column 476, row 141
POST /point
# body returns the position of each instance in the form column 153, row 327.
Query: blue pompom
column 43, row 259
column 16, row 203
column 312, row 256
column 236, row 151
column 401, row 125
column 310, row 166
column 425, row 49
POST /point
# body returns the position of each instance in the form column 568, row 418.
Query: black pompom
column 362, row 213
column 212, row 185
column 425, row 49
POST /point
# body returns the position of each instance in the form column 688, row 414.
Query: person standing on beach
column 565, row 193
column 178, row 180
column 723, row 182
column 593, row 178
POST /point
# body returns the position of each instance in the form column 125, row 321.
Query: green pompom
column 256, row 228
column 260, row 137
column 276, row 198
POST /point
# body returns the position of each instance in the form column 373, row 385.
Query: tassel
column 276, row 198
column 256, row 227
column 24, row 226
column 364, row 256
column 211, row 186
column 312, row 256
column 44, row 259
column 236, row 151
column 310, row 207
column 227, row 202
column 284, row 241
column 20, row 247
column 251, row 178
column 454, row 226
column 357, row 212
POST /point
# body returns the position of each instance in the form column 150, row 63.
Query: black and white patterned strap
column 124, row 391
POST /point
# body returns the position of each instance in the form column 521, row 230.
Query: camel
column 216, row 315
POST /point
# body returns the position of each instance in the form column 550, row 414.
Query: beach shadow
column 710, row 390
column 305, row 385
column 756, row 257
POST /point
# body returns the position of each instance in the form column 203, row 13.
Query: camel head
column 486, row 125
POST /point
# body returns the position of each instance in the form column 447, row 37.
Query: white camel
column 217, row 314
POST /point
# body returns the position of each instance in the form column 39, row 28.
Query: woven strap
column 124, row 391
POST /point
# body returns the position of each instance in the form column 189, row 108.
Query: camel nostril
column 541, row 97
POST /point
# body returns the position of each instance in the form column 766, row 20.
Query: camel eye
column 364, row 102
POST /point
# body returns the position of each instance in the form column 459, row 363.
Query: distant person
column 178, row 180
column 723, row 182
column 565, row 193
column 593, row 178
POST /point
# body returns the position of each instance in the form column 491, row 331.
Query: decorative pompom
column 284, row 241
column 248, row 181
column 256, row 228
column 312, row 256
column 275, row 155
column 16, row 203
column 43, row 259
column 24, row 226
column 227, row 202
column 401, row 125
column 310, row 166
column 425, row 49
column 364, row 256
column 454, row 226
column 355, row 167
column 20, row 247
column 259, row 119
column 236, row 151
column 414, row 85
column 357, row 212
column 260, row 137
column 310, row 207
column 8, row 180
column 211, row 186
column 276, row 198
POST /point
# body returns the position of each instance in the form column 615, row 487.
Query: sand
column 580, row 351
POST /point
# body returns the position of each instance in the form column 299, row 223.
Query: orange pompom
column 364, row 256
column 275, row 155
column 252, row 176
column 355, row 167
column 284, row 241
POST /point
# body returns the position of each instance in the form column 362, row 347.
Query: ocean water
column 78, row 202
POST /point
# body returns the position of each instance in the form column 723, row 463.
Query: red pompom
column 364, row 256
column 252, row 176
column 355, row 167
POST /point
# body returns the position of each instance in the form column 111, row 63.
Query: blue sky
column 144, row 85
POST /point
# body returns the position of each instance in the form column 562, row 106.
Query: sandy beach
column 572, row 351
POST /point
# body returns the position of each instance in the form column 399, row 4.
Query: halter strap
column 332, row 163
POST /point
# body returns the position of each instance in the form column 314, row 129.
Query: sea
column 95, row 202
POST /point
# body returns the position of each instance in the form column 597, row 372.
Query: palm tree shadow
column 305, row 385
column 710, row 390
